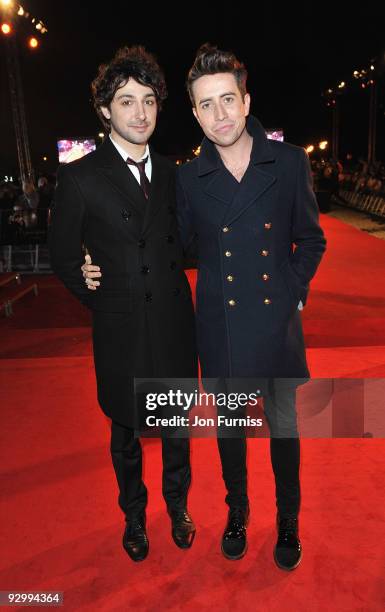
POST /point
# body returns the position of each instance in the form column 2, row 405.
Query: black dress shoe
column 234, row 543
column 135, row 541
column 288, row 550
column 182, row 528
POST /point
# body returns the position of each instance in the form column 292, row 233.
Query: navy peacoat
column 258, row 245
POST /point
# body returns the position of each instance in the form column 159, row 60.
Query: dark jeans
column 280, row 412
column 126, row 453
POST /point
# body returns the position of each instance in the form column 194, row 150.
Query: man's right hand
column 91, row 272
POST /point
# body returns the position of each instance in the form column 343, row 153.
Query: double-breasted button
column 126, row 215
column 148, row 296
column 267, row 301
column 170, row 239
column 230, row 278
column 228, row 253
column 176, row 291
column 265, row 276
column 173, row 265
column 268, row 225
column 145, row 269
column 264, row 252
column 232, row 302
column 141, row 243
column 225, row 230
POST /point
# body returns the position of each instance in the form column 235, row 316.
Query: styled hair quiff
column 211, row 60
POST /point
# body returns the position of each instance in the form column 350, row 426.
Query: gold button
column 265, row 276
column 232, row 302
column 264, row 253
column 228, row 253
column 225, row 229
column 268, row 225
column 267, row 301
column 230, row 278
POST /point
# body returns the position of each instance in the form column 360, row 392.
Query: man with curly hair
column 118, row 203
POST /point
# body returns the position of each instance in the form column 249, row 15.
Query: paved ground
column 359, row 219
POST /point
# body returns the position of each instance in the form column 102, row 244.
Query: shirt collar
column 123, row 153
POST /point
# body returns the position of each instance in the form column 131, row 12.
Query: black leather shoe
column 288, row 550
column 182, row 528
column 135, row 541
column 234, row 542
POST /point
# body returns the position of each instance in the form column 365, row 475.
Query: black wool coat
column 143, row 318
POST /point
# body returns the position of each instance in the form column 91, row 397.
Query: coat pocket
column 290, row 281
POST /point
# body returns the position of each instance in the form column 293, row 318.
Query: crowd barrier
column 371, row 204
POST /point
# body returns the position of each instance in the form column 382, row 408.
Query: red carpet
column 61, row 527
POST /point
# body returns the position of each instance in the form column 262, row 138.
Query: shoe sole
column 234, row 557
column 287, row 569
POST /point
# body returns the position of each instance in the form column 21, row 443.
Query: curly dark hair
column 134, row 62
column 211, row 60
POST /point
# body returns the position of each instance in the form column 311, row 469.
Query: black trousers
column 126, row 453
column 280, row 412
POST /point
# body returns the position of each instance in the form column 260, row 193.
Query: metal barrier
column 20, row 294
column 371, row 204
column 23, row 240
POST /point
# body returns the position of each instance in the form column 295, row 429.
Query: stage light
column 323, row 145
column 197, row 151
column 101, row 134
column 341, row 85
column 45, row 158
column 20, row 11
column 38, row 26
column 6, row 3
column 33, row 43
column 309, row 149
column 372, row 67
column 6, row 28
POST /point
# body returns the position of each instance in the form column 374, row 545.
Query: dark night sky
column 291, row 58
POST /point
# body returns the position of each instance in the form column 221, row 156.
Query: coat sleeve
column 185, row 222
column 307, row 234
column 66, row 234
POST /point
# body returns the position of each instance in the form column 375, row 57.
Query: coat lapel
column 159, row 184
column 216, row 181
column 111, row 165
column 254, row 183
column 223, row 186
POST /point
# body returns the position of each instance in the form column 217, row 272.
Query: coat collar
column 218, row 183
column 209, row 159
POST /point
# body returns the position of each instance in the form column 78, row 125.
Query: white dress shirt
column 134, row 169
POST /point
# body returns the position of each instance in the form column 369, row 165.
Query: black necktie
column 144, row 182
